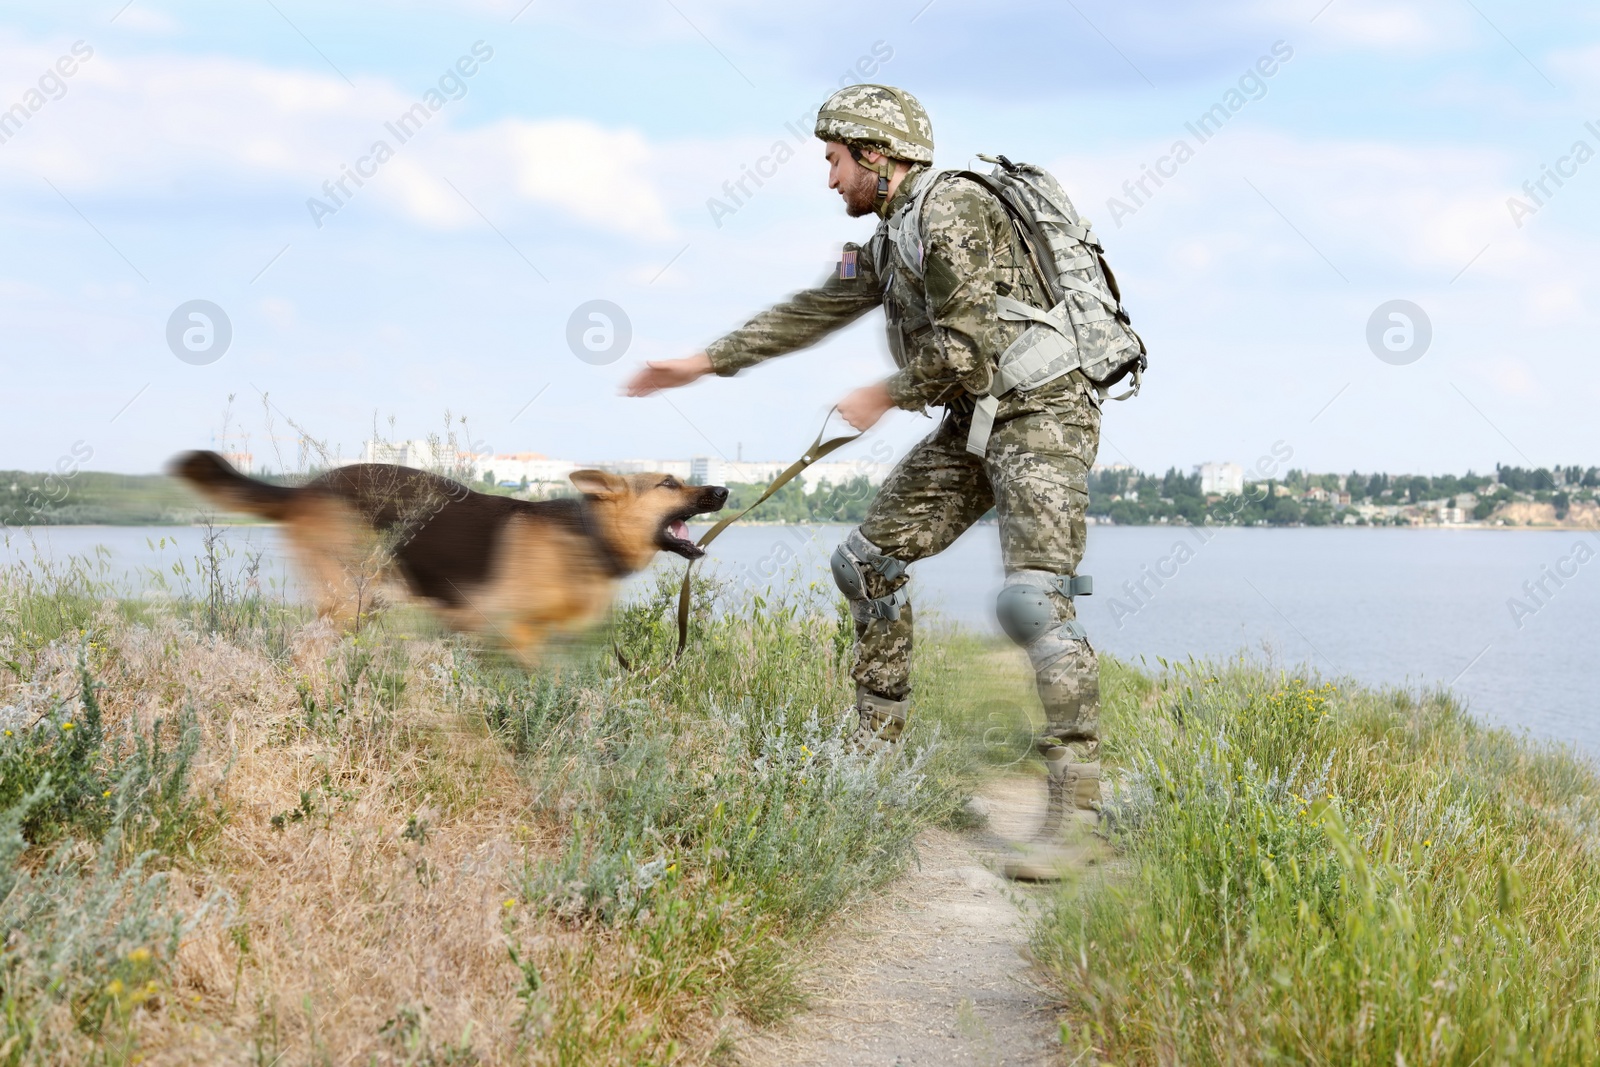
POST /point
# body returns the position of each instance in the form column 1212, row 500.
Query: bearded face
column 857, row 186
column 859, row 192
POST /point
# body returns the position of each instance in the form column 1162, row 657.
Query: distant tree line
column 29, row 498
column 846, row 503
column 1123, row 496
column 1133, row 498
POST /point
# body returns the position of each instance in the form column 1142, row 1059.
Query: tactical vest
column 1086, row 329
column 905, row 301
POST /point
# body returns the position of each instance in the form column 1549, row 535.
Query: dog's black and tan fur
column 514, row 570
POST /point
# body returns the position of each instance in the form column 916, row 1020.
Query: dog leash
column 814, row 452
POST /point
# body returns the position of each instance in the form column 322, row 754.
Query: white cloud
column 600, row 176
column 142, row 17
column 1195, row 255
column 1428, row 206
column 1513, row 378
column 281, row 313
column 1386, row 25
column 422, row 196
column 133, row 125
column 1557, row 300
column 1581, row 65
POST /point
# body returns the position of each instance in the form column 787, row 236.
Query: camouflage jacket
column 943, row 330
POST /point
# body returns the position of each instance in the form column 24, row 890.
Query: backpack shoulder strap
column 905, row 225
column 1041, row 243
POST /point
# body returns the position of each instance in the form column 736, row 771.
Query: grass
column 262, row 842
column 1329, row 875
column 231, row 836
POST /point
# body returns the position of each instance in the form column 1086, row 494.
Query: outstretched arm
column 802, row 320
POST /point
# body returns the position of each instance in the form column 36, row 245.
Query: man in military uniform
column 947, row 338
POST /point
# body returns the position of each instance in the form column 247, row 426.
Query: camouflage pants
column 1035, row 476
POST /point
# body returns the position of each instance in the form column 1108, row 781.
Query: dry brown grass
column 373, row 929
column 409, row 856
column 388, row 896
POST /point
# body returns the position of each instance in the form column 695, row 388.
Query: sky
column 584, row 152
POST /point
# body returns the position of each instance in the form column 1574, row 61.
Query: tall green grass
column 696, row 822
column 713, row 818
column 47, row 601
column 87, row 819
column 1308, row 873
column 93, row 816
column 1324, row 874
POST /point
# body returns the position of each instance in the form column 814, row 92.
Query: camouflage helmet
column 879, row 117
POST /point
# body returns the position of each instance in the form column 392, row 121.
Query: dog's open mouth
column 674, row 533
column 674, row 537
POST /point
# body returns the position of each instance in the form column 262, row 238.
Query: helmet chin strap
column 884, row 169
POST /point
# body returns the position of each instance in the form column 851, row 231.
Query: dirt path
column 935, row 974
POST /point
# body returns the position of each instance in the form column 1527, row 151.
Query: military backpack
column 1086, row 328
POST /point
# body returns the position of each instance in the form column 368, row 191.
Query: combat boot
column 1072, row 797
column 881, row 722
column 1069, row 835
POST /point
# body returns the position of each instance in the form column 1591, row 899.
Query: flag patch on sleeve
column 847, row 264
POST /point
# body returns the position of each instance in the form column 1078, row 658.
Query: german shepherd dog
column 514, row 570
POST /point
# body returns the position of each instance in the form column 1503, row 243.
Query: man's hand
column 661, row 374
column 864, row 407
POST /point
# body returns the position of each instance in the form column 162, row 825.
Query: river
column 1506, row 618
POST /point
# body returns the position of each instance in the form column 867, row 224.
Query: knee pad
column 849, row 565
column 1027, row 613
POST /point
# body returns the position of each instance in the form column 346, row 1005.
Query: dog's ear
column 599, row 484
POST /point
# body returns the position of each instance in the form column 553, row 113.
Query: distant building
column 430, row 455
column 545, row 476
column 709, row 471
column 1220, row 479
column 678, row 468
column 843, row 472
column 705, row 470
column 754, row 472
column 418, row 454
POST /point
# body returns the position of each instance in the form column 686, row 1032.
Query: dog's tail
column 218, row 481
